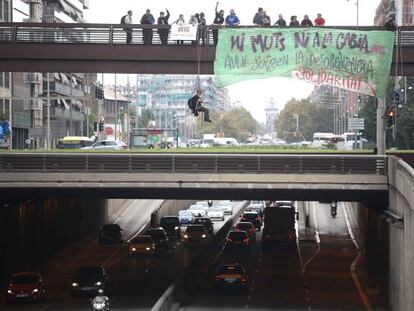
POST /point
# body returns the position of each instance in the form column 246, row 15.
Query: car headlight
column 176, row 228
column 147, row 248
column 9, row 291
column 98, row 283
column 35, row 290
column 133, row 249
column 185, row 236
column 204, row 236
column 75, row 284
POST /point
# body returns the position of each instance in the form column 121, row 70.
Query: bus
column 74, row 142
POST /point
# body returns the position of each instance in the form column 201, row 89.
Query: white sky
column 253, row 95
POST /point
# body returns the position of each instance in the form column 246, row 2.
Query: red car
column 25, row 286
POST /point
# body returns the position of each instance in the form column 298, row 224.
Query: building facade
column 401, row 10
column 68, row 113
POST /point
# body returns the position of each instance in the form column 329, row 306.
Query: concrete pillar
column 380, row 127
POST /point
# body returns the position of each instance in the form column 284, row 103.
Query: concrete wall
column 401, row 203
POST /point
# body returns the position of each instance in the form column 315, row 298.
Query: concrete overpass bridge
column 65, row 47
column 195, row 176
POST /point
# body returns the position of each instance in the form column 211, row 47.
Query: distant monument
column 271, row 117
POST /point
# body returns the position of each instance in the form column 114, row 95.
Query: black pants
column 128, row 37
column 215, row 36
column 147, row 36
column 163, row 33
column 206, row 111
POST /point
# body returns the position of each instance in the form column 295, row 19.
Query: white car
column 186, row 217
column 107, row 145
column 198, row 210
column 227, row 206
column 216, row 213
column 203, row 203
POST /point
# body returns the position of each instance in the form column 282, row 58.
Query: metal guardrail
column 194, row 163
column 71, row 33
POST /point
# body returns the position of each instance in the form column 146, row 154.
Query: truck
column 279, row 227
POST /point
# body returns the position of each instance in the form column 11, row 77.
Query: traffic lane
column 208, row 298
column 330, row 281
column 279, row 283
column 142, row 293
column 58, row 272
column 138, row 282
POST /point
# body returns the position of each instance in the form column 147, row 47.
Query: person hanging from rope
column 195, row 104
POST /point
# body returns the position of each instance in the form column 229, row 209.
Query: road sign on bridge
column 356, row 124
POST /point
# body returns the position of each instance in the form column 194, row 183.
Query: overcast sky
column 253, row 95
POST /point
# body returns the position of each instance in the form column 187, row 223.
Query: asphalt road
column 135, row 283
column 315, row 276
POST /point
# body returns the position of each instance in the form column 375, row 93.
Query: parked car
column 171, row 225
column 160, row 237
column 252, row 217
column 198, row 210
column 207, row 223
column 186, row 217
column 26, row 286
column 196, row 235
column 231, row 276
column 88, row 280
column 203, row 203
column 107, row 144
column 143, row 245
column 237, row 239
column 249, row 228
column 215, row 213
column 110, row 233
column 227, row 206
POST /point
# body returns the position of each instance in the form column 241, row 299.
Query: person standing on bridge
column 306, row 22
column 218, row 20
column 195, row 104
column 163, row 20
column 258, row 17
column 232, row 19
column 319, row 21
column 280, row 22
column 390, row 24
column 127, row 20
column 180, row 21
column 147, row 19
column 202, row 28
column 294, row 21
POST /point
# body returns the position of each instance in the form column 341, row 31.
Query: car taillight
column 218, row 277
column 246, row 241
column 291, row 236
column 258, row 218
column 229, row 240
column 243, row 280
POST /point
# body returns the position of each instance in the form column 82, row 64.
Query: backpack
column 123, row 19
column 191, row 103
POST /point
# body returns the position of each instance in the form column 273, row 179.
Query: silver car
column 107, row 144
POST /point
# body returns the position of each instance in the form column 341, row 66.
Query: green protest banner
column 359, row 61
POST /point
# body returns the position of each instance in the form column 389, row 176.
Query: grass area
column 265, row 150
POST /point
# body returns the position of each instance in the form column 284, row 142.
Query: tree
column 312, row 118
column 237, row 123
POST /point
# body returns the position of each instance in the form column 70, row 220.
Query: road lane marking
column 317, row 237
column 354, row 274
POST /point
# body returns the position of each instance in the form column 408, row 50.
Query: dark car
column 231, row 276
column 88, row 280
column 196, row 235
column 252, row 217
column 249, row 228
column 110, row 233
column 237, row 239
column 25, row 286
column 171, row 225
column 160, row 237
column 206, row 222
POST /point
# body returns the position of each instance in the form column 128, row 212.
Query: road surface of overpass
column 211, row 176
column 65, row 47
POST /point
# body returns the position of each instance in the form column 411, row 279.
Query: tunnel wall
column 401, row 203
column 33, row 231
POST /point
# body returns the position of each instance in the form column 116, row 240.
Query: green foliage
column 312, row 118
column 237, row 123
column 369, row 113
column 144, row 118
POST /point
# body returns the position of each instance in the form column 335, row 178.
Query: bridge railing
column 71, row 33
column 194, row 163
